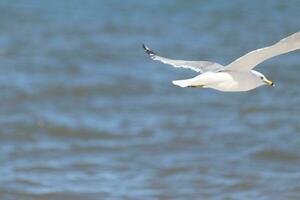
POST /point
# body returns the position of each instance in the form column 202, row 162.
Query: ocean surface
column 86, row 115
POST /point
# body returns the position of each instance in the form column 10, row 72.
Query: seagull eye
column 262, row 78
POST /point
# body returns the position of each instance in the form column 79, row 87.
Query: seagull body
column 239, row 75
column 224, row 81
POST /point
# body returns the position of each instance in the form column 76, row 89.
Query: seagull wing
column 198, row 66
column 253, row 58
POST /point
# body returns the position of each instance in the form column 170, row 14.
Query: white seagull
column 237, row 76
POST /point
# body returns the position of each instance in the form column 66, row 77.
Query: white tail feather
column 182, row 83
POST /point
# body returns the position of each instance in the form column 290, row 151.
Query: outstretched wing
column 253, row 58
column 198, row 66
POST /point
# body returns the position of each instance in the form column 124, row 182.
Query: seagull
column 239, row 75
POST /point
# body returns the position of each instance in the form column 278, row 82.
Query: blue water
column 85, row 114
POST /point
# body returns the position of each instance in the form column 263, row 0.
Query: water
column 85, row 114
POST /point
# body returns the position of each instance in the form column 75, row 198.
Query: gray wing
column 253, row 58
column 198, row 66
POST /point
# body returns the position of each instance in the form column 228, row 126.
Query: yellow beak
column 270, row 83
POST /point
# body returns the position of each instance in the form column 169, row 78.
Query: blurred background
column 85, row 114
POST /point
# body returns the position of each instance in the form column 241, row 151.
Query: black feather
column 148, row 51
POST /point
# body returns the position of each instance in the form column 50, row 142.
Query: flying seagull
column 237, row 76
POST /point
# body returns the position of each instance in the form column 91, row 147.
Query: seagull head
column 263, row 79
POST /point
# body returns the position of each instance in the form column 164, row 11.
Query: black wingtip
column 144, row 46
column 148, row 51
